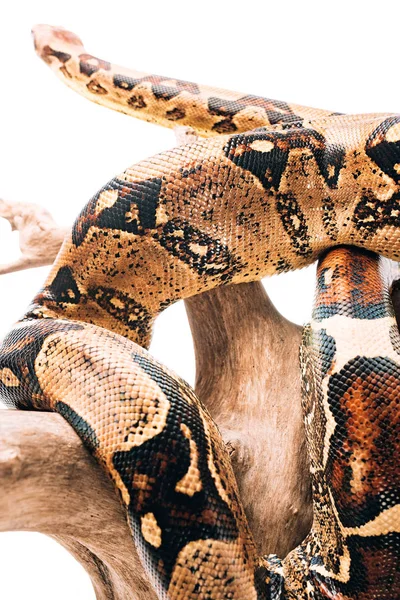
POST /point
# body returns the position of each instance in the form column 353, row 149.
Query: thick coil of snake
column 276, row 187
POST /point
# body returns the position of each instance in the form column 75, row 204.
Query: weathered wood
column 248, row 377
column 40, row 237
column 50, row 484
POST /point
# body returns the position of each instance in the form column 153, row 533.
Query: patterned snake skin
column 303, row 184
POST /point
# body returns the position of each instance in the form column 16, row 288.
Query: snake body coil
column 277, row 187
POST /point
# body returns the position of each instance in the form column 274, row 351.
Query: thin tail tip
column 54, row 37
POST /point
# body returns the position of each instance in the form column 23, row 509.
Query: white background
column 57, row 149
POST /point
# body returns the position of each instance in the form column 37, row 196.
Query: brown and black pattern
column 275, row 110
column 204, row 254
column 88, row 64
column 358, row 277
column 329, row 218
column 122, row 308
column 294, row 223
column 265, row 154
column 174, row 511
column 211, row 111
column 230, row 209
column 166, row 455
column 384, row 149
column 63, row 57
column 133, row 211
column 365, row 390
column 373, row 214
column 356, row 469
column 373, row 571
column 63, row 289
column 349, row 553
column 160, row 90
column 19, row 385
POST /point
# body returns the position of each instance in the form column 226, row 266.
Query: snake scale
column 275, row 187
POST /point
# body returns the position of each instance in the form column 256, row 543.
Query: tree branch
column 248, row 377
column 51, row 484
column 40, row 237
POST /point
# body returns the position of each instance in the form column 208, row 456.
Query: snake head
column 55, row 43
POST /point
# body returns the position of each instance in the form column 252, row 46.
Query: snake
column 269, row 187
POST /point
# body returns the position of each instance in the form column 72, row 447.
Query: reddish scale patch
column 382, row 573
column 365, row 451
column 358, row 275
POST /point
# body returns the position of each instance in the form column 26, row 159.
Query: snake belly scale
column 276, row 187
